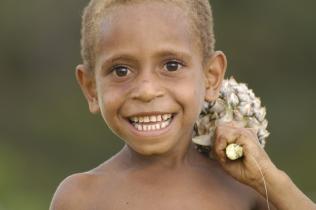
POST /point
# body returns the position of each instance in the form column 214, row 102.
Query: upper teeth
column 152, row 118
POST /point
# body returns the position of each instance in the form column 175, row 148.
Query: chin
column 153, row 149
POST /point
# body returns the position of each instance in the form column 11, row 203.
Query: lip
column 151, row 133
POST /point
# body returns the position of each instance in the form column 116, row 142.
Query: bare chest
column 171, row 196
column 173, row 203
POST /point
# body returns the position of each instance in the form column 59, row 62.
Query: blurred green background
column 47, row 133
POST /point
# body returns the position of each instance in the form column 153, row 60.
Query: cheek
column 109, row 102
column 199, row 93
column 192, row 95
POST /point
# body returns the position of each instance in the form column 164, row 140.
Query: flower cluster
column 235, row 103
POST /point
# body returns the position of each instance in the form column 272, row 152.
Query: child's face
column 149, row 68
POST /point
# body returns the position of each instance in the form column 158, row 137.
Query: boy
column 148, row 67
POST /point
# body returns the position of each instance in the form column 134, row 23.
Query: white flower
column 232, row 81
column 244, row 97
column 256, row 103
column 232, row 99
column 262, row 133
column 227, row 117
column 235, row 103
column 234, row 151
column 219, row 106
column 264, row 124
column 241, row 88
column 253, row 123
column 225, row 87
column 260, row 113
column 245, row 109
column 237, row 115
column 251, row 94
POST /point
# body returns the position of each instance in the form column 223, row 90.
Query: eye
column 172, row 66
column 120, row 71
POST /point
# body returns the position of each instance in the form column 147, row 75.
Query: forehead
column 140, row 26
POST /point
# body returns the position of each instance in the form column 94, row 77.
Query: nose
column 147, row 89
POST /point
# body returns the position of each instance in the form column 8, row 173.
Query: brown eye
column 121, row 71
column 172, row 66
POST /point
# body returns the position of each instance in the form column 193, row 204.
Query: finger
column 228, row 132
column 253, row 134
column 253, row 131
column 234, row 124
column 219, row 149
column 224, row 135
column 247, row 136
column 250, row 144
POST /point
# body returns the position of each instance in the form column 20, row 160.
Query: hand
column 246, row 169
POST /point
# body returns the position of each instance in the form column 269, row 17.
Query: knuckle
column 252, row 132
column 218, row 132
column 218, row 152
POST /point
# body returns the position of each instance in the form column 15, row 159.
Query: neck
column 176, row 158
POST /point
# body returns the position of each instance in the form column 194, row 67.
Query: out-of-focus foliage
column 47, row 133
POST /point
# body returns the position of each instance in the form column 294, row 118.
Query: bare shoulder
column 262, row 202
column 82, row 190
column 72, row 192
column 243, row 192
column 240, row 195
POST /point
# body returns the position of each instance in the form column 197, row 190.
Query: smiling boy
column 148, row 67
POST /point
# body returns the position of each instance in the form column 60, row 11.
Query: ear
column 214, row 72
column 87, row 83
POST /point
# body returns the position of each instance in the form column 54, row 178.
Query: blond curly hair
column 199, row 12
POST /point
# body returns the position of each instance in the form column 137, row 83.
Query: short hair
column 198, row 11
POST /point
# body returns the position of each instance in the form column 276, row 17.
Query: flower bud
column 234, row 151
column 235, row 103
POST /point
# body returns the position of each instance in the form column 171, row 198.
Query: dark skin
column 144, row 71
column 122, row 183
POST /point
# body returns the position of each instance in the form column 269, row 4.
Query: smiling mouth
column 151, row 122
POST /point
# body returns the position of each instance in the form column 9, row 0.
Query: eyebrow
column 171, row 52
column 116, row 57
column 165, row 52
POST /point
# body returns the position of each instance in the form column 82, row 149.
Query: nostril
column 147, row 91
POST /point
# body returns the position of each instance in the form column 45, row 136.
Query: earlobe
column 214, row 74
column 87, row 84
